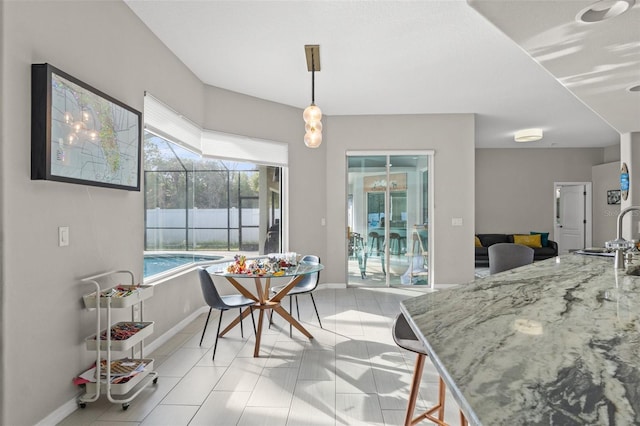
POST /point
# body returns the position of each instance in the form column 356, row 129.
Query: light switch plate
column 456, row 221
column 63, row 236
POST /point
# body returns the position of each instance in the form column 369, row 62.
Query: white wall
column 514, row 187
column 604, row 177
column 630, row 154
column 452, row 138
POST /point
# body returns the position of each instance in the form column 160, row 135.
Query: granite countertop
column 552, row 343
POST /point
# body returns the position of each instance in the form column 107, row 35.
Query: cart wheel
column 155, row 380
column 125, row 406
column 82, row 404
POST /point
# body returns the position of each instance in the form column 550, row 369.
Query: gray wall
column 227, row 111
column 611, row 153
column 452, row 138
column 2, row 221
column 605, row 177
column 514, row 187
column 105, row 45
column 43, row 327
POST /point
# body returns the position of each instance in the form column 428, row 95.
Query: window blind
column 233, row 147
column 163, row 121
column 167, row 123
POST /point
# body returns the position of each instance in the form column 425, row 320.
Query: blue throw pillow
column 544, row 237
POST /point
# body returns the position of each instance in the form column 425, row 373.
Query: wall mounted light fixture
column 312, row 114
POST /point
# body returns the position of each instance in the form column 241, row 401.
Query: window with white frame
column 197, row 200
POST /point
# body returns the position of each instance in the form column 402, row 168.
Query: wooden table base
column 263, row 303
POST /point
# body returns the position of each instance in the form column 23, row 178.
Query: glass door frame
column 430, row 154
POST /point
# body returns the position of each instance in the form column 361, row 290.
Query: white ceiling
column 414, row 57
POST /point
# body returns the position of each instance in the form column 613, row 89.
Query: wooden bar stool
column 406, row 339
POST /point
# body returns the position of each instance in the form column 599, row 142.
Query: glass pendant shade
column 313, row 126
column 313, row 139
column 312, row 113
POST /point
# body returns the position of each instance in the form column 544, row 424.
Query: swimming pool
column 158, row 263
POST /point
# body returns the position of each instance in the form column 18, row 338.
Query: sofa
column 547, row 250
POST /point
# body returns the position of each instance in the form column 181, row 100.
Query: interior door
column 570, row 218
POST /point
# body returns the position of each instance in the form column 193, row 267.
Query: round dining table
column 263, row 296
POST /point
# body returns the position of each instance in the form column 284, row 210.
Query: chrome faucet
column 620, row 245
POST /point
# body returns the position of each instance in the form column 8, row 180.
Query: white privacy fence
column 201, row 227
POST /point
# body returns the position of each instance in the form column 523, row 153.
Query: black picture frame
column 82, row 135
column 613, row 196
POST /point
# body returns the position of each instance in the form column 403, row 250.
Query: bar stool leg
column 415, row 386
column 441, row 395
column 413, row 396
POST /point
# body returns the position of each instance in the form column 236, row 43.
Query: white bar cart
column 123, row 377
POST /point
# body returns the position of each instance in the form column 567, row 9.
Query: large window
column 199, row 203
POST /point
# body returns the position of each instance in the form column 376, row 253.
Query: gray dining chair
column 505, row 256
column 306, row 286
column 222, row 303
column 405, row 338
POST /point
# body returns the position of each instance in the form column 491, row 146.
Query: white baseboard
column 70, row 406
column 60, row 414
column 174, row 330
column 332, row 285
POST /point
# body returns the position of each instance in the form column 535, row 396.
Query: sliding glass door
column 387, row 217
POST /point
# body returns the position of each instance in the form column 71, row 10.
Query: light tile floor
column 351, row 373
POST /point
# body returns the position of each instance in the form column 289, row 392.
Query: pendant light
column 312, row 114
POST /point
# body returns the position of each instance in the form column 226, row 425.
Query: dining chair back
column 310, row 281
column 222, row 303
column 405, row 338
column 505, row 256
column 306, row 286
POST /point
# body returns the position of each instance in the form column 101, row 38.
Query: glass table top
column 256, row 268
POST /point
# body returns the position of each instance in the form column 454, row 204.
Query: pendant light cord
column 313, row 83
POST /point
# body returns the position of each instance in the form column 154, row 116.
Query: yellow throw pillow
column 533, row 241
column 478, row 243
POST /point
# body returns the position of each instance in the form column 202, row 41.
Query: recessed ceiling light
column 635, row 89
column 604, row 9
column 528, row 135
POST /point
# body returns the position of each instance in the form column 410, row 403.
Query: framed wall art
column 378, row 183
column 81, row 135
column 613, row 196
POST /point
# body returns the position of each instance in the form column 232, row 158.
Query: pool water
column 158, row 263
